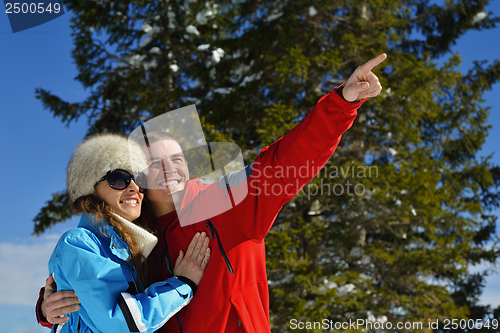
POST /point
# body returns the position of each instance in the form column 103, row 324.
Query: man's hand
column 363, row 83
column 57, row 303
column 193, row 264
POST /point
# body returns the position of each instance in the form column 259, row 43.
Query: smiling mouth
column 170, row 183
column 132, row 202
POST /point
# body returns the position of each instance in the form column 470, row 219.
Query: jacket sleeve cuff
column 38, row 310
column 339, row 89
column 189, row 282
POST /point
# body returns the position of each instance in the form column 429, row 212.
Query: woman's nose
column 133, row 187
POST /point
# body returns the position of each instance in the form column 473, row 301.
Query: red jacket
column 239, row 302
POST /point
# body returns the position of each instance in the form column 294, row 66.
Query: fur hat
column 97, row 155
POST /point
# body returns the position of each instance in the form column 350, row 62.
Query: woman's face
column 126, row 203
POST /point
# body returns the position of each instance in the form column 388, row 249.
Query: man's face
column 168, row 173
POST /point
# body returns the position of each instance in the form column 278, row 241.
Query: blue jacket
column 96, row 268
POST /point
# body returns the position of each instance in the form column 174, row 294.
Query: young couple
column 233, row 294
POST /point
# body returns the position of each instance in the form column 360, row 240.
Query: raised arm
column 285, row 167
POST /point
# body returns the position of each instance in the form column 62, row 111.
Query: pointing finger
column 370, row 64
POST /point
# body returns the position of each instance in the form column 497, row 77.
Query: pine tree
column 388, row 229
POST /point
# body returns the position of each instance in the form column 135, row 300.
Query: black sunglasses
column 119, row 179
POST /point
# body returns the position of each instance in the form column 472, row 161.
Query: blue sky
column 36, row 148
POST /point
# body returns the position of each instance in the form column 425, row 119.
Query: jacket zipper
column 211, row 228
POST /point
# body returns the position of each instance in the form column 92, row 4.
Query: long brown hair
column 146, row 270
column 156, row 259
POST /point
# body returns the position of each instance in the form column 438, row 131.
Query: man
column 233, row 295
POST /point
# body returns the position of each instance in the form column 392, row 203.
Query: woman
column 103, row 260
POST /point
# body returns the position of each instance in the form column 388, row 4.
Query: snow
column 201, row 18
column 356, row 252
column 387, row 92
column 309, row 304
column 273, row 17
column 365, row 260
column 479, row 17
column 329, row 284
column 205, row 14
column 212, row 73
column 345, row 289
column 236, row 54
column 372, row 318
column 149, row 32
column 146, row 41
column 155, row 50
column 217, row 55
column 253, row 77
column 191, row 29
column 171, row 19
column 236, row 74
column 285, row 279
column 192, row 100
column 223, row 91
column 203, row 47
column 136, row 60
column 146, row 28
column 151, row 64
column 174, row 68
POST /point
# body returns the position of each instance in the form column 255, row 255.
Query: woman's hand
column 193, row 264
column 55, row 303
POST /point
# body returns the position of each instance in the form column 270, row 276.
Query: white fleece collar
column 146, row 240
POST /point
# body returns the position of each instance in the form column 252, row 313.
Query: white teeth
column 172, row 183
column 129, row 201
